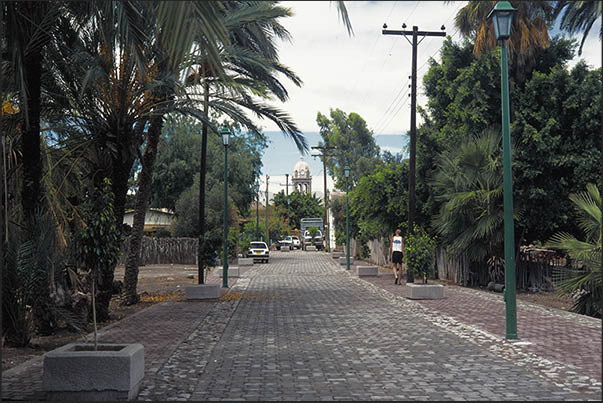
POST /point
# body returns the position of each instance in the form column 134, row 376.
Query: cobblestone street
column 302, row 328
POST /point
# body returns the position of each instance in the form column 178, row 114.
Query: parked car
column 258, row 251
column 286, row 241
column 296, row 243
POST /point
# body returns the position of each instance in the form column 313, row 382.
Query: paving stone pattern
column 315, row 333
column 303, row 328
column 554, row 335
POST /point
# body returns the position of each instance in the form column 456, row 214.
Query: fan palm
column 587, row 281
column 528, row 34
column 468, row 183
column 579, row 16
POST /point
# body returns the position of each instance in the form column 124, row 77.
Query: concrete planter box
column 232, row 272
column 77, row 372
column 424, row 291
column 285, row 248
column 245, row 261
column 343, row 261
column 368, row 271
column 203, row 291
column 311, row 248
column 337, row 255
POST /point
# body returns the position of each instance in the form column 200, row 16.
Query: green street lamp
column 257, row 211
column 502, row 15
column 225, row 137
column 346, row 171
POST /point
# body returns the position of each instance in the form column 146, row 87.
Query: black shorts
column 397, row 257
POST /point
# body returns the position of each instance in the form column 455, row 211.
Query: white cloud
column 366, row 72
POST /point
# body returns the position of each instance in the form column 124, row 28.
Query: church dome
column 301, row 170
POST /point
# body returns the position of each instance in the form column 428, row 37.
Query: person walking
column 396, row 250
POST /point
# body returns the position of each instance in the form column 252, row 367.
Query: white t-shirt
column 397, row 244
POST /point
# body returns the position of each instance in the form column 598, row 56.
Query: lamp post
column 225, row 137
column 257, row 211
column 502, row 16
column 346, row 170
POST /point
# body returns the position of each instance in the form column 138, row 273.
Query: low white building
column 154, row 220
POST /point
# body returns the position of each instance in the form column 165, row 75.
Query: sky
column 367, row 73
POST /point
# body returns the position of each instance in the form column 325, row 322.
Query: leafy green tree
column 297, row 206
column 354, row 143
column 549, row 139
column 557, row 130
column 177, row 161
column 379, row 202
column 587, row 281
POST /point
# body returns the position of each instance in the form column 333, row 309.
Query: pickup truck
column 317, row 239
column 305, row 225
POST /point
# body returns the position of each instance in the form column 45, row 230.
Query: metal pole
column 347, row 226
column 257, row 213
column 413, row 143
column 511, row 313
column 225, row 245
column 267, row 233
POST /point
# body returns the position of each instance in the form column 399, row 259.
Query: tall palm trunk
column 200, row 255
column 130, row 295
column 31, row 192
column 120, row 173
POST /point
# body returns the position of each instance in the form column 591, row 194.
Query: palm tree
column 579, row 16
column 588, row 280
column 111, row 87
column 251, row 63
column 529, row 32
column 249, row 60
column 468, row 183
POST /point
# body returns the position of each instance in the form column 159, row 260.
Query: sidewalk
column 160, row 328
column 551, row 338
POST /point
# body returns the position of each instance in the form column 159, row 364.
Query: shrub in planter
column 419, row 253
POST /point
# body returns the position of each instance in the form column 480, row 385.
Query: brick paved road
column 304, row 331
column 301, row 328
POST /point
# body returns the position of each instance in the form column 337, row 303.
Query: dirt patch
column 156, row 283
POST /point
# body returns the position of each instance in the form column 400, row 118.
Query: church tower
column 302, row 180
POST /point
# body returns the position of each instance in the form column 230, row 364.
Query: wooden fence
column 166, row 251
column 533, row 269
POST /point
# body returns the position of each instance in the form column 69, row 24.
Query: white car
column 286, row 241
column 258, row 251
column 296, row 243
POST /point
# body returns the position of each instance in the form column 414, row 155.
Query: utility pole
column 286, row 193
column 267, row 238
column 413, row 115
column 324, row 154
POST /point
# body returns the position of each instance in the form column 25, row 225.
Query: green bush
column 419, row 253
column 339, row 238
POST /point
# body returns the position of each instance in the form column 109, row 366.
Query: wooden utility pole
column 413, row 114
column 324, row 154
column 287, row 193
